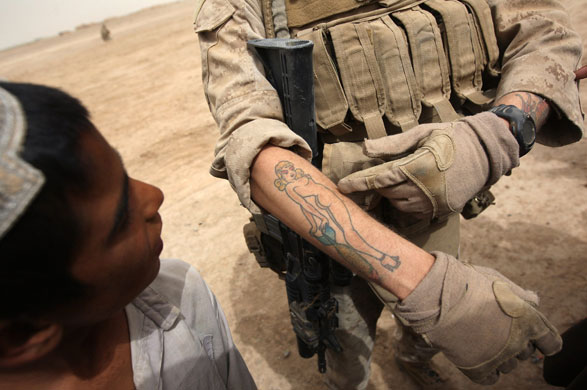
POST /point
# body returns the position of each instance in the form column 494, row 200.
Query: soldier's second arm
column 351, row 236
column 534, row 105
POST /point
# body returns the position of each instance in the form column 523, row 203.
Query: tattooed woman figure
column 329, row 218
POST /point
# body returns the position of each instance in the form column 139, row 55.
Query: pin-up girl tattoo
column 329, row 218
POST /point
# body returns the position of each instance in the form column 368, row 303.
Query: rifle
column 306, row 270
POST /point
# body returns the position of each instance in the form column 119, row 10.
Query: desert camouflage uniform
column 538, row 52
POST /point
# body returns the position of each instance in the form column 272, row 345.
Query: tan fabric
column 429, row 61
column 330, row 100
column 484, row 23
column 456, row 307
column 275, row 18
column 540, row 52
column 402, row 104
column 246, row 108
column 534, row 61
column 463, row 47
column 360, row 75
column 306, row 14
column 279, row 19
column 375, row 70
column 248, row 112
column 448, row 165
column 341, row 159
column 302, row 12
column 267, row 10
column 381, row 44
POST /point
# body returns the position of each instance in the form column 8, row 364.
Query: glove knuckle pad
column 425, row 174
column 441, row 145
column 510, row 303
column 528, row 325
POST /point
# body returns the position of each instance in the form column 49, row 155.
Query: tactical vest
column 382, row 67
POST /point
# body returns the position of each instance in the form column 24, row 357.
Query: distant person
column 105, row 33
column 86, row 301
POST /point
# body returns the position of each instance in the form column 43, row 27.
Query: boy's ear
column 23, row 342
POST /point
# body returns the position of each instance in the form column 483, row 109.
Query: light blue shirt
column 180, row 338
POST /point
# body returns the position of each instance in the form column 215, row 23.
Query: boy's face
column 121, row 234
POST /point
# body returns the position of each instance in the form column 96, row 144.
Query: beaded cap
column 19, row 181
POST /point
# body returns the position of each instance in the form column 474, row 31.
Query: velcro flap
column 509, row 302
column 486, row 29
column 429, row 60
column 402, row 105
column 212, row 14
column 360, row 74
column 462, row 44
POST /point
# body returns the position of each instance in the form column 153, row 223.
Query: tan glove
column 449, row 164
column 478, row 318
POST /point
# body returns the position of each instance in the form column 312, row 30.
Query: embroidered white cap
column 19, row 181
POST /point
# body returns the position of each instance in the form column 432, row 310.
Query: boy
column 87, row 302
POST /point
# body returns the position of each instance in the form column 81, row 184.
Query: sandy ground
column 144, row 91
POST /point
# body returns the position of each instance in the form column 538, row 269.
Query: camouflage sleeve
column 540, row 51
column 245, row 106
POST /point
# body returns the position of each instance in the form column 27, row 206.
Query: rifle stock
column 288, row 67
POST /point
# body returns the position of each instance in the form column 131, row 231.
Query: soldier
column 87, row 302
column 421, row 105
column 105, row 33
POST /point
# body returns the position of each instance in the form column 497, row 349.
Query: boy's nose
column 152, row 199
column 157, row 200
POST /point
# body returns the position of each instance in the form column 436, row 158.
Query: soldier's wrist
column 520, row 123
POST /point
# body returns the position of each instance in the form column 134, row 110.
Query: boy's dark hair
column 36, row 253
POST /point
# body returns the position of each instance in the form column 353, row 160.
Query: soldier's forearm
column 350, row 236
column 533, row 105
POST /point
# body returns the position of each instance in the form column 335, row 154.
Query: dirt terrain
column 144, row 91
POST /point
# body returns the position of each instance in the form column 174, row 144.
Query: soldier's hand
column 481, row 321
column 434, row 169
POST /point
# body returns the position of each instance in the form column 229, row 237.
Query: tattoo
column 329, row 218
column 535, row 106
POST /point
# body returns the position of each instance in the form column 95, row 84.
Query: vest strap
column 409, row 60
column 485, row 27
column 360, row 76
column 331, row 103
column 466, row 59
column 268, row 18
column 275, row 18
column 302, row 12
column 280, row 19
column 403, row 95
column 429, row 61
